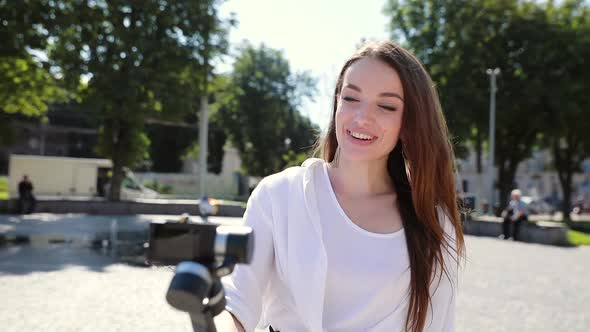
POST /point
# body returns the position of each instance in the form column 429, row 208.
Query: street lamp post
column 493, row 88
column 204, row 122
column 203, row 145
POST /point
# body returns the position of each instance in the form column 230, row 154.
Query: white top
column 291, row 282
column 368, row 273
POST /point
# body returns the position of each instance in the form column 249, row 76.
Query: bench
column 543, row 232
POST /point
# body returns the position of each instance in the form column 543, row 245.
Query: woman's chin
column 361, row 156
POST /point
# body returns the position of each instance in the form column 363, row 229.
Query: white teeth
column 359, row 135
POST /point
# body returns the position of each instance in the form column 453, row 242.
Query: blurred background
column 108, row 106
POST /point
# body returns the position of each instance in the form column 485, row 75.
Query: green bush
column 4, row 187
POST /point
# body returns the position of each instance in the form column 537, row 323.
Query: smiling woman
column 384, row 91
column 367, row 238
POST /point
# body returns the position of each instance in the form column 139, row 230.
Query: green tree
column 26, row 84
column 521, row 83
column 142, row 60
column 27, row 87
column 567, row 132
column 217, row 141
column 458, row 40
column 428, row 29
column 258, row 106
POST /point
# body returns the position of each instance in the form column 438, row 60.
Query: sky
column 314, row 35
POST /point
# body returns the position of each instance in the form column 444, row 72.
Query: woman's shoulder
column 286, row 190
column 294, row 175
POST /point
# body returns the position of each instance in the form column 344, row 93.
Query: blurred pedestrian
column 26, row 199
column 515, row 214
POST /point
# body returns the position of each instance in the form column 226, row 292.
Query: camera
column 206, row 243
column 203, row 252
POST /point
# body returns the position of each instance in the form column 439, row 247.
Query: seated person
column 515, row 214
column 26, row 199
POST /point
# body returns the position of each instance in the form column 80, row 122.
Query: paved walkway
column 512, row 286
column 506, row 286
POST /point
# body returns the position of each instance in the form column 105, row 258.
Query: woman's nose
column 364, row 113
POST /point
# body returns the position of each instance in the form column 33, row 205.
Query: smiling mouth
column 360, row 136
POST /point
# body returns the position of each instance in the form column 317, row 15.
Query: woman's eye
column 346, row 98
column 389, row 108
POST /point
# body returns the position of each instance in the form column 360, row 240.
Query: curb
column 101, row 207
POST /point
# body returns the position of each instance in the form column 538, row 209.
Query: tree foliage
column 142, row 60
column 458, row 40
column 26, row 87
column 26, row 84
column 568, row 131
column 258, row 106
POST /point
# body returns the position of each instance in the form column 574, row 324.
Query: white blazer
column 285, row 282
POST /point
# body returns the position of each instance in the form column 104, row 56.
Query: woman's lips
column 358, row 141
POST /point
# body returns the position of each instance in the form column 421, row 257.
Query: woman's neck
column 360, row 179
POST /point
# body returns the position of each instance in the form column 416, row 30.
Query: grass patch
column 578, row 238
column 4, row 187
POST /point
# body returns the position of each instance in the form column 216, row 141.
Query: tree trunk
column 120, row 142
column 478, row 151
column 505, row 182
column 116, row 180
column 566, row 187
column 513, row 147
column 565, row 166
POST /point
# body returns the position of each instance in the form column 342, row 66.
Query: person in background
column 515, row 214
column 26, row 199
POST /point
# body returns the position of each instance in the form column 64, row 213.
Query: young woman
column 368, row 238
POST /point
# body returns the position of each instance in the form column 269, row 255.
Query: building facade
column 536, row 177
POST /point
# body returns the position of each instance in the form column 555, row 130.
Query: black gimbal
column 204, row 252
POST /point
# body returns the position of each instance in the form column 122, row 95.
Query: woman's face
column 369, row 110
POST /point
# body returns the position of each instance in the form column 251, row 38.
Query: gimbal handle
column 197, row 291
column 203, row 322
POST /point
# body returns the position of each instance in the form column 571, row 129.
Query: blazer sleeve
column 244, row 288
column 443, row 289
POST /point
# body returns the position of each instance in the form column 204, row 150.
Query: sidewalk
column 57, row 282
column 506, row 286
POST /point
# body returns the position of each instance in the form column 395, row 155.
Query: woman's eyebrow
column 391, row 94
column 352, row 86
column 382, row 94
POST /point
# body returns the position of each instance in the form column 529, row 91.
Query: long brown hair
column 421, row 167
